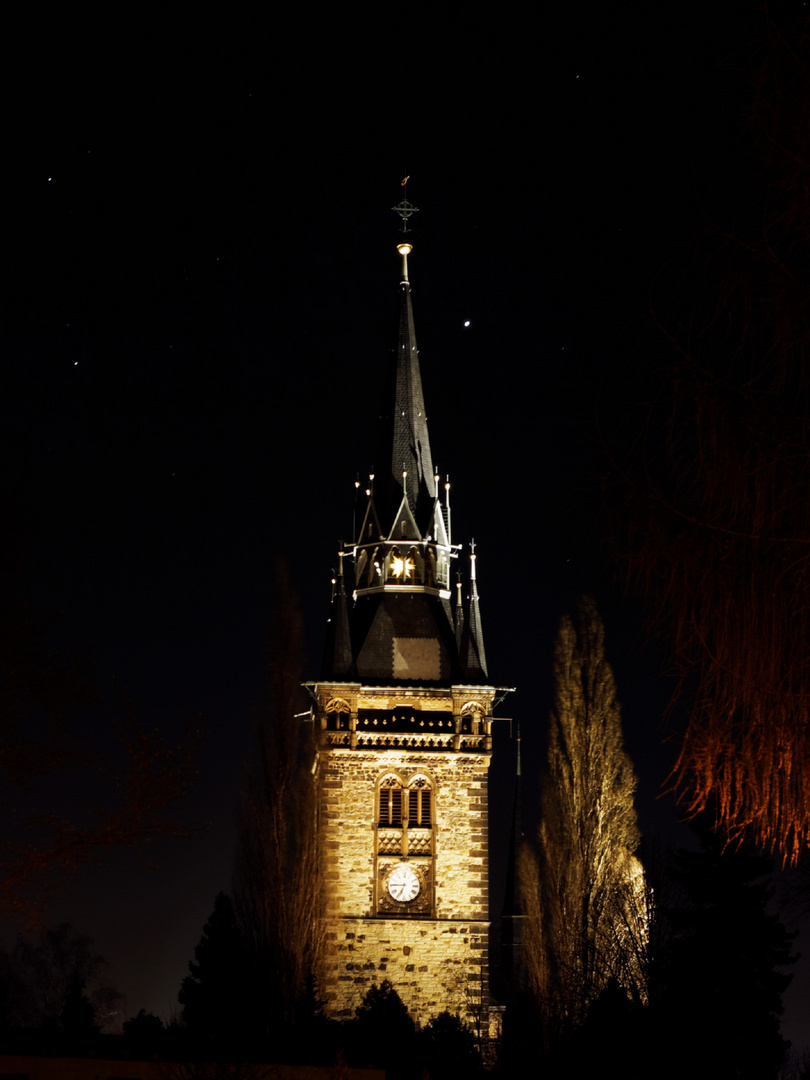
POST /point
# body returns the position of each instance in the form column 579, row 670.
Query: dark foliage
column 447, row 1048
column 52, row 993
column 522, row 1037
column 275, row 880
column 719, row 997
column 797, row 1067
column 384, row 1035
column 48, row 825
column 311, row 1038
column 77, row 1019
column 144, row 1036
column 716, row 976
column 217, row 996
column 713, row 475
column 225, row 998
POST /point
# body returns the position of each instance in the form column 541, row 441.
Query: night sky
column 199, row 309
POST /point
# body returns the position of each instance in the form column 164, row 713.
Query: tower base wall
column 435, row 965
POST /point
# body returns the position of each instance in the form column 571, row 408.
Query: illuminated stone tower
column 404, row 718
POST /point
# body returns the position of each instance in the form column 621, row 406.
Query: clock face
column 403, row 884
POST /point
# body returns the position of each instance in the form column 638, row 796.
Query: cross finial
column 473, row 582
column 404, row 208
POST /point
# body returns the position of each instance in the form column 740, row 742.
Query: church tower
column 403, row 719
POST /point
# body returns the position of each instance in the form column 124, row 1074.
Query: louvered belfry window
column 419, row 804
column 391, row 803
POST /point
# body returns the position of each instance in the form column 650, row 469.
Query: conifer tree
column 216, row 996
column 584, row 895
column 384, row 1031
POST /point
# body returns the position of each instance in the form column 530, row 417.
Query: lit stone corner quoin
column 404, row 714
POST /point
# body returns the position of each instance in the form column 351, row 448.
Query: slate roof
column 402, row 636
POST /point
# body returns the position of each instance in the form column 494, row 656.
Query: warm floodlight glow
column 404, row 249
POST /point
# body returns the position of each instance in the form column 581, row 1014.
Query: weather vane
column 405, row 208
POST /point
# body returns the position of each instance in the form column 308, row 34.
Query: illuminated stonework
column 404, row 725
column 420, row 805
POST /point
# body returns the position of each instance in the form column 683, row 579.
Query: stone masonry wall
column 434, row 962
column 348, row 786
column 433, row 965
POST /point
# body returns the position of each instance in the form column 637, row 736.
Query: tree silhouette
column 384, row 1031
column 144, row 1035
column 584, row 894
column 77, row 1018
column 54, row 982
column 134, row 777
column 218, row 995
column 721, row 997
column 275, row 881
column 713, row 495
column 448, row 1048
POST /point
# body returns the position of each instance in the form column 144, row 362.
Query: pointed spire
column 473, row 656
column 410, row 446
column 447, row 523
column 403, row 626
column 337, row 655
column 459, row 617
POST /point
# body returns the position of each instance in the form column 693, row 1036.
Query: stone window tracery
column 390, row 816
column 401, row 803
column 419, row 804
column 404, row 835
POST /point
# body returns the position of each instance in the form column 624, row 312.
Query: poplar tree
column 216, row 995
column 584, row 894
column 275, row 879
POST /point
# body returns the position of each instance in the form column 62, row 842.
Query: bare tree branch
column 714, row 497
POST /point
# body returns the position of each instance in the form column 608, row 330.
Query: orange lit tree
column 714, row 494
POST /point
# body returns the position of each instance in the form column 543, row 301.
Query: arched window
column 337, row 714
column 390, row 803
column 419, row 803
